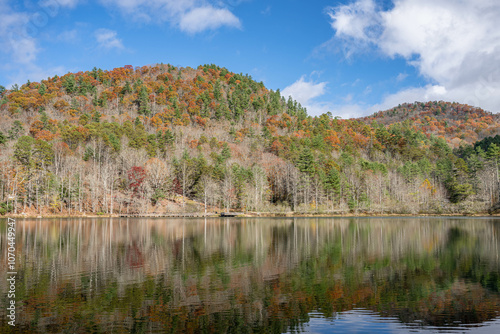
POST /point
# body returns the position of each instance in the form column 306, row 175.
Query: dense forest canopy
column 169, row 139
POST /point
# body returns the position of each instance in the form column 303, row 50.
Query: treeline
column 167, row 139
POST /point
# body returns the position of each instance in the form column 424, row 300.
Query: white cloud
column 24, row 50
column 401, row 77
column 348, row 98
column 304, row 91
column 466, row 94
column 348, row 111
column 266, row 11
column 355, row 20
column 34, row 72
column 471, row 94
column 68, row 36
column 191, row 16
column 18, row 49
column 107, row 39
column 205, row 18
column 455, row 44
column 14, row 41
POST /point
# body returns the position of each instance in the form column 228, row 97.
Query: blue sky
column 348, row 57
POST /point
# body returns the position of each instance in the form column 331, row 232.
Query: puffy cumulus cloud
column 107, row 39
column 204, row 18
column 355, row 21
column 304, row 91
column 190, row 16
column 455, row 44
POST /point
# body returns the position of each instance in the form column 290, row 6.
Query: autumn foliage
column 227, row 141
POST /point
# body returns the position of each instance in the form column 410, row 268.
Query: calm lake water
column 320, row 275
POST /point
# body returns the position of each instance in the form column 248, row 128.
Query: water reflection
column 254, row 275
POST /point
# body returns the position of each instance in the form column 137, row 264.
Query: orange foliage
column 200, row 121
column 156, row 121
column 193, row 143
column 61, row 105
column 36, row 126
column 333, row 140
column 45, row 135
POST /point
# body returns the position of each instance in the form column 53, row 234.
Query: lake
column 254, row 275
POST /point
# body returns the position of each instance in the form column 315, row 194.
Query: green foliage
column 346, row 159
column 305, row 162
column 439, row 146
column 6, row 207
column 493, row 152
column 143, row 102
column 486, row 142
column 89, row 153
column 16, row 130
column 410, row 171
column 373, row 166
column 42, row 89
column 113, row 141
column 332, row 180
column 96, row 116
column 84, row 119
column 458, row 191
column 69, row 84
column 33, row 153
column 23, row 150
column 225, row 153
column 126, row 89
column 158, row 195
column 151, row 145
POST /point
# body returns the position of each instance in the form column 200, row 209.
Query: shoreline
column 253, row 215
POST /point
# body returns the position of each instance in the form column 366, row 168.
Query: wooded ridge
column 165, row 139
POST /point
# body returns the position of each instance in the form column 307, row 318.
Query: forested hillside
column 167, row 139
column 460, row 124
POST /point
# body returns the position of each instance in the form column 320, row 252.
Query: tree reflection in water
column 252, row 275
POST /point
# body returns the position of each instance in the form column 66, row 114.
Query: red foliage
column 277, row 147
column 200, row 121
column 177, row 187
column 136, row 176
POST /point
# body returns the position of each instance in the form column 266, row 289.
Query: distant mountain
column 169, row 139
column 458, row 123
